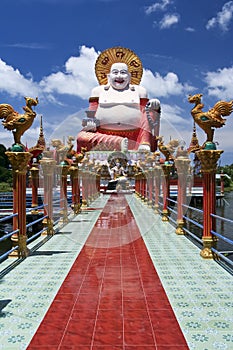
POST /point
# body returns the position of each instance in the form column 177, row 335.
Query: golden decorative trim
column 208, row 159
column 179, row 228
column 23, row 250
column 118, row 132
column 206, row 252
column 19, row 161
column 48, row 166
column 115, row 55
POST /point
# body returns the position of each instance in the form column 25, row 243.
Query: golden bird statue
column 211, row 119
column 16, row 122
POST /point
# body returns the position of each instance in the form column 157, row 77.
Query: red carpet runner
column 112, row 297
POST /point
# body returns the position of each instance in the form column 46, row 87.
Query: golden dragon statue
column 16, row 122
column 212, row 118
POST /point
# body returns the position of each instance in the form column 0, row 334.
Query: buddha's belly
column 119, row 117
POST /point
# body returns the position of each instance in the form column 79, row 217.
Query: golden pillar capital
column 19, row 161
column 182, row 164
column 208, row 159
column 34, row 170
column 48, row 165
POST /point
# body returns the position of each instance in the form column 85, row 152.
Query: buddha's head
column 119, row 76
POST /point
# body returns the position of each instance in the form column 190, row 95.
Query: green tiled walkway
column 199, row 291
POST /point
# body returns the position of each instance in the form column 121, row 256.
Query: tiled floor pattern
column 200, row 291
column 27, row 291
column 112, row 297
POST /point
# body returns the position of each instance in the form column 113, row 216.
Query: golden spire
column 40, row 145
column 194, row 144
column 41, row 139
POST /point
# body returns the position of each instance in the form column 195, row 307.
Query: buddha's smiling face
column 119, row 76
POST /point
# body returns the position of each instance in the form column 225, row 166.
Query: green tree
column 5, row 172
column 4, row 161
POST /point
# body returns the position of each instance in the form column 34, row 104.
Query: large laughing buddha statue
column 120, row 115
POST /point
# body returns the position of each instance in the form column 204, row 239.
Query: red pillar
column 144, row 186
column 35, row 185
column 19, row 162
column 150, row 183
column 48, row 167
column 182, row 164
column 83, row 179
column 157, row 186
column 166, row 190
column 75, row 189
column 208, row 160
column 64, row 168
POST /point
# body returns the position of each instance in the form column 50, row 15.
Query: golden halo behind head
column 114, row 55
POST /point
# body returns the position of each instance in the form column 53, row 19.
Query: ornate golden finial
column 18, row 123
column 41, row 140
column 210, row 119
column 40, row 146
column 194, row 144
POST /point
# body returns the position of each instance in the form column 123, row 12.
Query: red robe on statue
column 108, row 139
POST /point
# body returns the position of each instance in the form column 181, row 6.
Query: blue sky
column 48, row 49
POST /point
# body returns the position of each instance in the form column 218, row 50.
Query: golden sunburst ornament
column 114, row 55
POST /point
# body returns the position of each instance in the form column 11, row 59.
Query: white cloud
column 174, row 125
column 223, row 18
column 78, row 78
column 220, row 83
column 159, row 86
column 190, row 29
column 14, row 83
column 157, row 6
column 32, row 46
column 168, row 20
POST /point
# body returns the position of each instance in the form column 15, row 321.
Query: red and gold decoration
column 19, row 162
column 208, row 156
column 208, row 159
